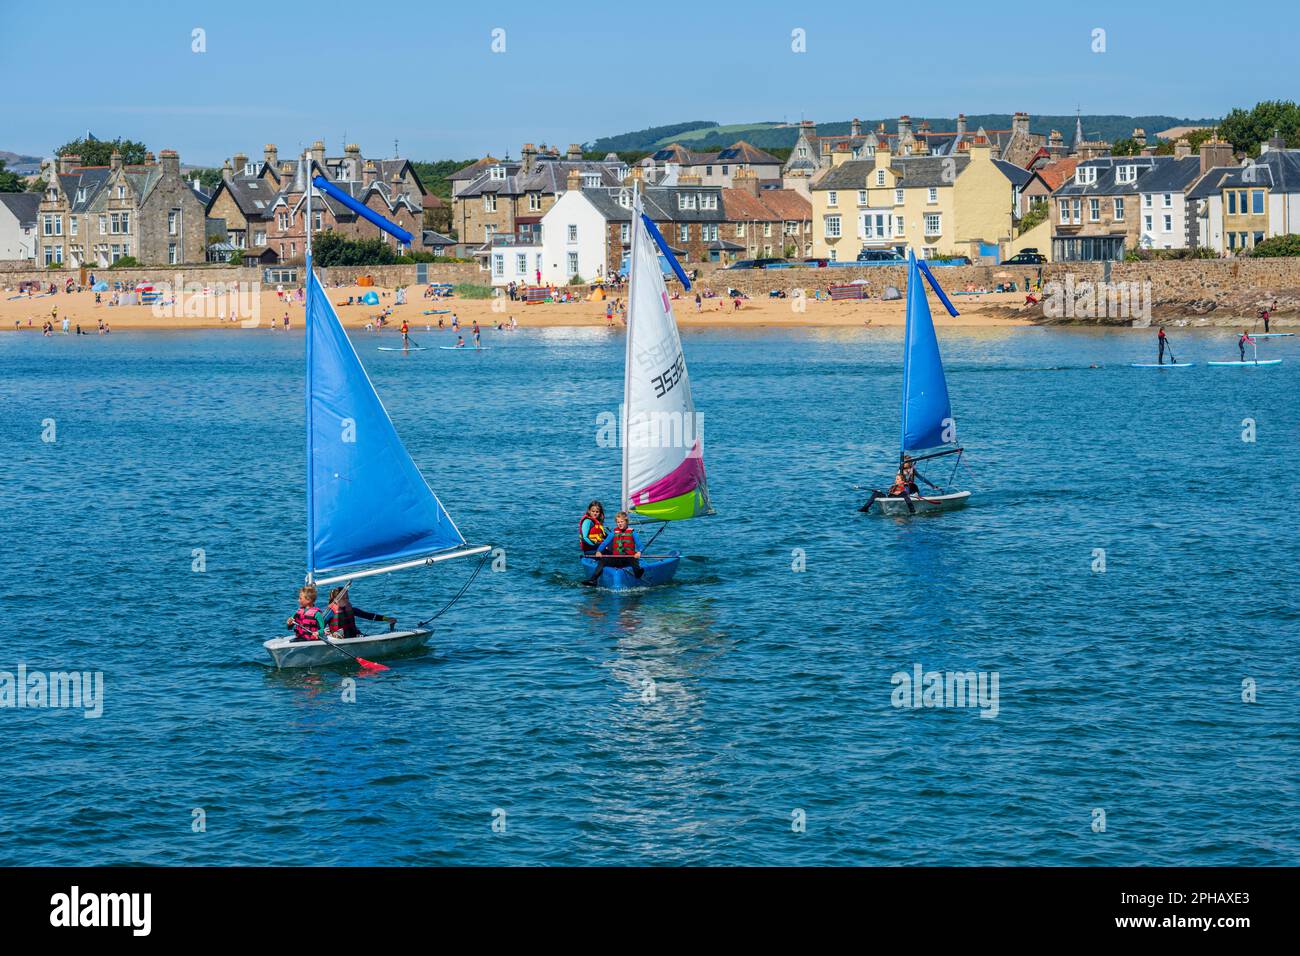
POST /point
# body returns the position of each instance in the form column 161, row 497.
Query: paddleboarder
column 1241, row 343
column 1164, row 344
column 1264, row 314
column 406, row 335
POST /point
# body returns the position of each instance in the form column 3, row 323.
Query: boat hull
column 930, row 504
column 287, row 652
column 657, row 572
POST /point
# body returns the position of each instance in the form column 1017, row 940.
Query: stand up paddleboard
column 1250, row 362
column 1271, row 335
column 466, row 348
column 398, row 348
column 1166, row 365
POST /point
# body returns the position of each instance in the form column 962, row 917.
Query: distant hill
column 18, row 163
column 706, row 136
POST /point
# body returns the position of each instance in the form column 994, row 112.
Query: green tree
column 97, row 152
column 10, row 182
column 331, row 249
column 1278, row 246
column 1247, row 129
column 433, row 175
column 1126, row 147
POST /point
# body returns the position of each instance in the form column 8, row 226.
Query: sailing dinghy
column 369, row 510
column 663, row 443
column 928, row 428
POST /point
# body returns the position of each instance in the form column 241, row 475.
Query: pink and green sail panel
column 663, row 437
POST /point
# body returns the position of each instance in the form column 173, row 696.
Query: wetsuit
column 1163, row 344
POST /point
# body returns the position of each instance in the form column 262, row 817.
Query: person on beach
column 1163, row 340
column 624, row 547
column 1241, row 343
column 342, row 616
column 591, row 528
column 308, row 622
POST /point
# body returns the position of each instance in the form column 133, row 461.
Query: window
column 880, row 177
column 862, row 197
column 1168, row 222
column 572, row 232
column 282, row 220
column 709, row 201
column 173, row 221
column 72, row 225
column 725, row 170
column 1074, row 209
column 708, row 170
column 489, row 202
column 534, row 202
column 1127, row 173
column 832, row 198
column 1146, row 200
column 625, row 232
column 521, row 263
column 1168, row 200
column 573, row 263
column 685, row 200
column 767, row 230
column 498, row 172
column 1065, row 210
column 259, row 238
column 498, row 265
column 709, row 231
column 173, row 257
column 898, row 197
column 1232, row 203
column 121, row 192
column 1259, row 237
column 1257, row 201
column 898, row 225
column 103, row 225
column 803, row 152
column 1085, row 175
column 1094, row 210
column 932, row 195
column 319, row 220
column 1146, row 223
column 1119, row 210
column 832, row 227
column 684, row 232
column 933, row 224
column 740, row 230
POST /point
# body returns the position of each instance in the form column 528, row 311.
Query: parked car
column 879, row 255
column 1026, row 257
column 755, row 263
column 819, row 263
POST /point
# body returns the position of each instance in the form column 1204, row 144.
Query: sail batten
column 367, row 501
column 927, row 420
column 663, row 446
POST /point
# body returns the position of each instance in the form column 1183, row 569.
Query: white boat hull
column 286, row 652
column 924, row 505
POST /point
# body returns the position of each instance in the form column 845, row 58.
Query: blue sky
column 425, row 73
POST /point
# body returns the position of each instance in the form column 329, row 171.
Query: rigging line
column 656, row 534
column 459, row 594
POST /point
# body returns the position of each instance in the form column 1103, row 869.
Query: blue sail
column 927, row 415
column 367, row 502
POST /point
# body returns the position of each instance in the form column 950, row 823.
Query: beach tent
column 100, row 286
column 370, row 298
column 891, row 292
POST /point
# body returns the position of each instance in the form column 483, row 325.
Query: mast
column 912, row 276
column 311, row 503
column 627, row 354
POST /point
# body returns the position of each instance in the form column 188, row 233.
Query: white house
column 511, row 260
column 1233, row 208
column 1162, row 203
column 18, row 225
column 575, row 233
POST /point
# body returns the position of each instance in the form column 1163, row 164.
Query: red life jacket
column 305, row 625
column 343, row 619
column 597, row 534
column 624, row 542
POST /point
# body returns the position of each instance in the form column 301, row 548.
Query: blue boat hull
column 657, row 572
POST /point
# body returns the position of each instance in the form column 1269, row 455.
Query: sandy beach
column 29, row 314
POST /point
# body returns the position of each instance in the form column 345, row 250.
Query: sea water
column 1121, row 593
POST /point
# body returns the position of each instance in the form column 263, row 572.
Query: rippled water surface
column 689, row 724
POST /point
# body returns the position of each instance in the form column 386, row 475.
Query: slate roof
column 23, row 206
column 430, row 238
column 660, row 203
column 89, row 178
column 547, row 176
column 1107, row 183
column 1171, row 177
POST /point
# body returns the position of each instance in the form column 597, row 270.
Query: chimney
column 149, row 159
column 1020, row 123
column 227, row 172
column 961, row 124
column 1055, row 143
column 270, row 155
column 68, row 162
column 286, row 168
column 115, row 160
column 855, row 128
column 368, row 174
column 396, row 187
column 1140, row 136
column 746, row 180
column 1182, row 148
column 352, row 165
column 528, row 157
column 574, row 180
column 171, row 162
column 808, row 128
column 318, row 153
column 904, row 127
column 241, row 160
column 575, row 153
column 1215, row 152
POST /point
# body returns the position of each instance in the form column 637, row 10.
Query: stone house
column 765, row 222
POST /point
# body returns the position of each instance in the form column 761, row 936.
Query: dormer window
column 250, row 169
column 685, row 201
column 121, row 192
column 625, row 198
column 590, row 180
column 81, row 194
column 498, row 172
column 880, row 177
column 1127, row 173
column 1085, row 175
